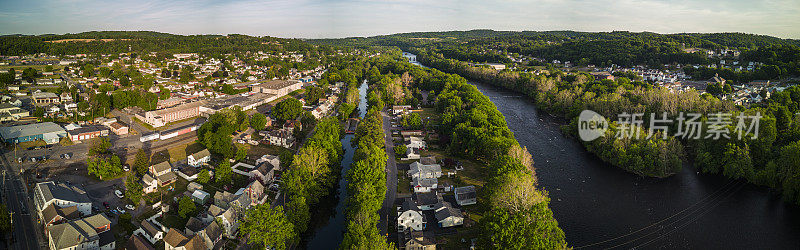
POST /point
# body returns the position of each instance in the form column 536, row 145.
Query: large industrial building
column 47, row 131
column 277, row 87
column 161, row 117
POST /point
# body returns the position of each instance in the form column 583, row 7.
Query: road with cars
column 25, row 234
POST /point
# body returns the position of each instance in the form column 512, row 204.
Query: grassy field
column 180, row 152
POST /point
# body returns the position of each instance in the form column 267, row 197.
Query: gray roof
column 62, row 191
column 87, row 129
column 444, row 210
column 429, row 198
column 30, row 129
column 213, row 230
column 194, row 225
column 73, row 233
column 467, row 192
column 201, row 154
column 150, row 228
column 164, row 165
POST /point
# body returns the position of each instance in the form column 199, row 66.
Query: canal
column 328, row 229
column 601, row 206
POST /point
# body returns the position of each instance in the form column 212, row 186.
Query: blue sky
column 344, row 18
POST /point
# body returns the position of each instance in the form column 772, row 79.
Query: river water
column 329, row 223
column 601, row 206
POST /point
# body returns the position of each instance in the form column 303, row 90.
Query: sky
column 348, row 18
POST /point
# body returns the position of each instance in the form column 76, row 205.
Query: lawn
column 182, row 151
column 403, row 183
column 143, row 124
column 40, row 68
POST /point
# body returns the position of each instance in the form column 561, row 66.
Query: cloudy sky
column 344, row 18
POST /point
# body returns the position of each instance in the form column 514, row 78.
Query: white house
column 62, row 195
column 447, row 215
column 92, row 232
column 199, row 158
column 423, row 185
column 424, row 171
column 150, row 232
column 409, row 216
column 149, row 184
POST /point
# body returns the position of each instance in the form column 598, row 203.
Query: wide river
column 601, row 206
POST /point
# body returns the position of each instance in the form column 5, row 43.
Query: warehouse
column 47, row 131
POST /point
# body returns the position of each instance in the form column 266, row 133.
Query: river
column 328, row 226
column 601, row 206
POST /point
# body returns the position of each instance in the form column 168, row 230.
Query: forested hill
column 141, row 41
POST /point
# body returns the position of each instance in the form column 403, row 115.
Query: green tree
column 313, row 95
column 104, row 166
column 287, row 109
column 142, row 162
column 223, row 173
column 203, row 177
column 258, row 121
column 186, row 207
column 268, row 227
column 133, row 188
column 241, row 153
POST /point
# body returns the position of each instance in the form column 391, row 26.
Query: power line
column 661, row 221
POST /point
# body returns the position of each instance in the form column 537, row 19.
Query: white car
column 119, row 194
column 126, row 168
column 130, row 207
column 120, row 210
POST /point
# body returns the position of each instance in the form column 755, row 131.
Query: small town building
column 87, row 132
column 61, row 195
column 49, row 132
column 447, row 215
column 466, row 195
column 199, row 158
column 92, row 232
column 410, row 217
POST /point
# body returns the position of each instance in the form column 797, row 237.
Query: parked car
column 119, row 194
column 105, row 204
column 130, row 207
column 66, row 156
column 121, row 211
column 20, row 159
column 125, row 167
column 33, row 159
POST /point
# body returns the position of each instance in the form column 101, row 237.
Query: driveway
column 391, row 175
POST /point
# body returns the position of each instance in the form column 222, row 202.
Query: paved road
column 391, row 175
column 16, row 197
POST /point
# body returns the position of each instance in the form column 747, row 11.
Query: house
column 427, row 201
column 425, row 168
column 423, row 185
column 447, row 215
column 200, row 196
column 292, row 124
column 119, row 128
column 61, row 195
column 179, row 241
column 65, row 97
column 416, row 142
column 211, row 235
column 401, row 110
column 717, row 79
column 189, row 173
column 411, row 154
column 418, row 240
column 281, row 137
column 44, row 98
column 54, row 214
column 465, row 195
column 410, row 217
column 87, row 132
column 137, row 243
column 149, row 184
column 264, row 172
column 149, row 231
column 199, row 158
column 92, row 232
column 163, row 173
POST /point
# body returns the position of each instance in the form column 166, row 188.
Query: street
column 391, row 175
column 25, row 232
